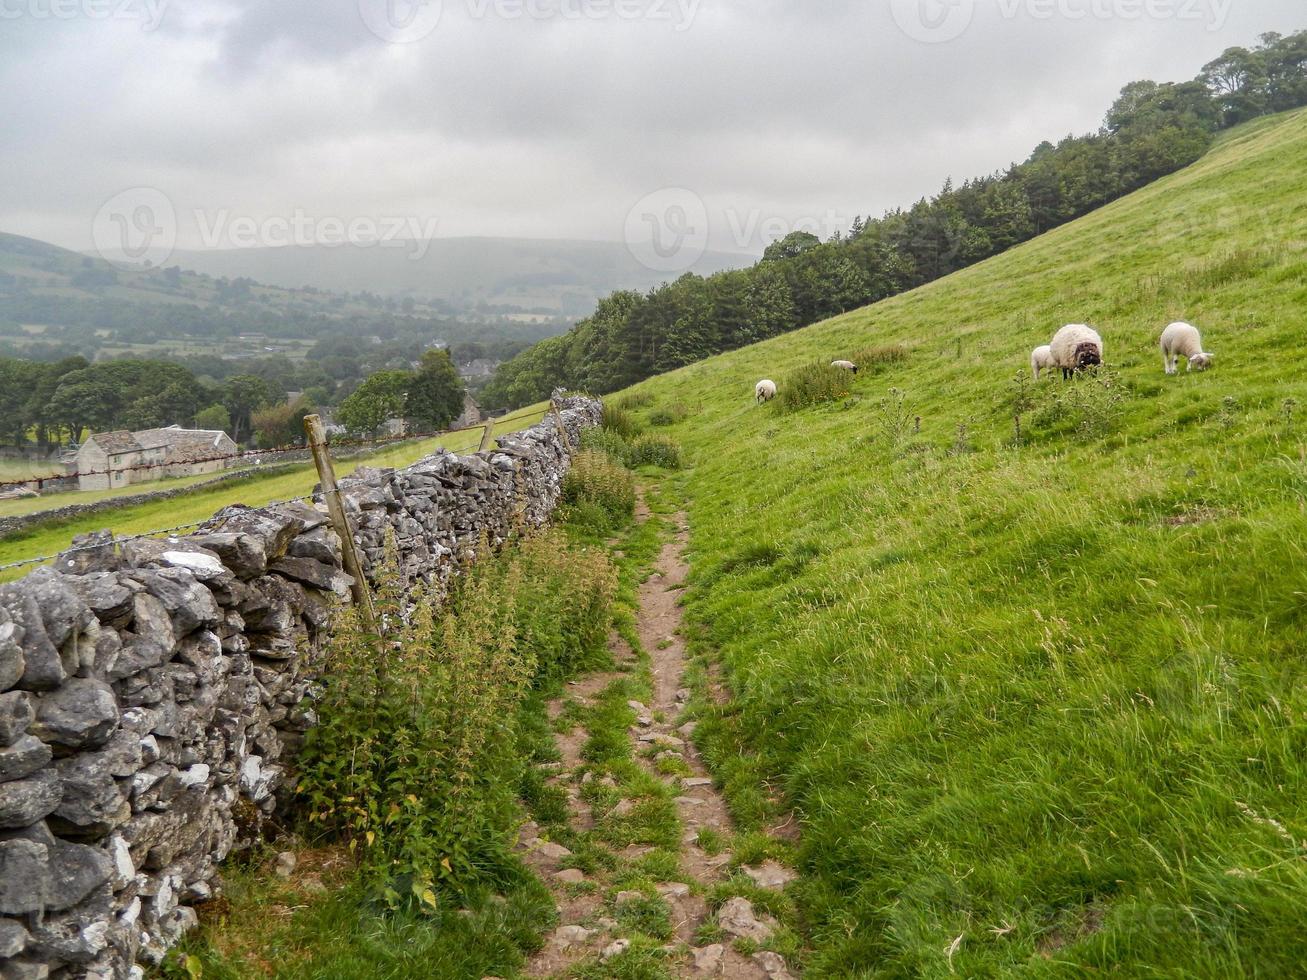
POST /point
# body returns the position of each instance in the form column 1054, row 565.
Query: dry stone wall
column 153, row 692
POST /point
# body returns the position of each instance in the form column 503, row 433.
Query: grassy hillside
column 1040, row 704
column 51, row 537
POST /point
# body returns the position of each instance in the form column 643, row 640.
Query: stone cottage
column 471, row 413
column 109, row 460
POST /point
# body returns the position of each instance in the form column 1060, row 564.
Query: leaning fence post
column 487, row 436
column 562, row 429
column 339, row 519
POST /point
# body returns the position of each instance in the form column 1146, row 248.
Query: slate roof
column 183, row 445
column 187, row 445
column 117, row 443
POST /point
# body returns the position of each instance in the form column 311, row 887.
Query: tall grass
column 620, row 421
column 813, row 384
column 598, row 490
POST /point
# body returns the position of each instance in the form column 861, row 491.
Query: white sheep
column 765, row 391
column 1041, row 360
column 1076, row 347
column 1183, row 340
column 845, row 366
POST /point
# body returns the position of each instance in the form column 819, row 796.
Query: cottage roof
column 182, row 445
column 116, row 443
column 187, row 445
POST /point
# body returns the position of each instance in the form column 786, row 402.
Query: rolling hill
column 565, row 277
column 1026, row 660
column 66, row 302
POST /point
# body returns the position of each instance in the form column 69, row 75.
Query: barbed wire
column 315, row 495
column 242, row 455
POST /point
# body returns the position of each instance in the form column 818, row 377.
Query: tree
column 1238, row 81
column 13, row 399
column 214, row 418
column 793, row 244
column 435, row 393
column 376, row 401
column 281, row 425
column 242, row 396
column 84, row 404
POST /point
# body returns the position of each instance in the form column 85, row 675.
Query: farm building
column 117, row 459
column 471, row 413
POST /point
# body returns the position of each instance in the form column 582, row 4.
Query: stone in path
column 709, row 959
column 770, row 875
column 737, row 918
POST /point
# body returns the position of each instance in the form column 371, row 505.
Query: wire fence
column 315, row 495
column 238, row 458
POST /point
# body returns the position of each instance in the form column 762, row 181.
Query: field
column 50, row 537
column 1027, row 661
column 22, row 469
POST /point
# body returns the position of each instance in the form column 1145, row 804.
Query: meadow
column 1026, row 661
column 49, row 537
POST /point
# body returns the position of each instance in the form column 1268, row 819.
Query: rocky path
column 648, row 830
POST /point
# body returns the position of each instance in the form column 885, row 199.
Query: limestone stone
column 82, row 713
column 23, row 758
column 17, row 713
column 25, row 801
column 737, row 918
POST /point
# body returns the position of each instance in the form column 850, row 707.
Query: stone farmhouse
column 471, row 413
column 119, row 459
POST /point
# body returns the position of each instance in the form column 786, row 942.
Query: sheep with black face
column 1076, row 348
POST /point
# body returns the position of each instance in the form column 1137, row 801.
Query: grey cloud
column 553, row 127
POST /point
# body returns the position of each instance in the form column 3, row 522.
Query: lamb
column 1041, row 360
column 1075, row 348
column 765, row 391
column 845, row 366
column 1183, row 340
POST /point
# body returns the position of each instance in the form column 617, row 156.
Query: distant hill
column 566, row 277
column 55, row 302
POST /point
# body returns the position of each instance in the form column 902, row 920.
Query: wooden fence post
column 339, row 519
column 562, row 429
column 487, row 436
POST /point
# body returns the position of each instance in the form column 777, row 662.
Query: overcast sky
column 553, row 118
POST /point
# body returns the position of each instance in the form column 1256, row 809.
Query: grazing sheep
column 845, row 366
column 1075, row 348
column 1041, row 360
column 765, row 391
column 1183, row 340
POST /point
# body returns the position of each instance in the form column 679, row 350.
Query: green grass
column 47, row 538
column 1040, row 706
column 23, row 469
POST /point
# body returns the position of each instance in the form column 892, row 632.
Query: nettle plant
column 414, row 761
